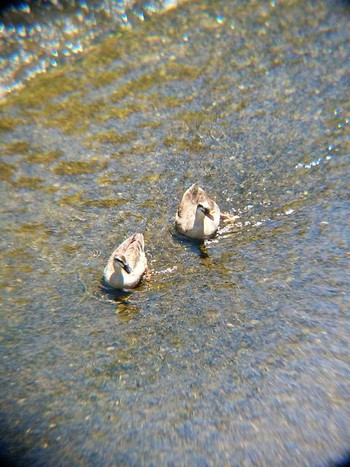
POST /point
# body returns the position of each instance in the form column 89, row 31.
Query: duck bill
column 208, row 214
column 127, row 268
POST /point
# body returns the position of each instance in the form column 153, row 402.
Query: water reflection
column 44, row 35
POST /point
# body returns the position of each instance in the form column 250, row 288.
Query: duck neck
column 199, row 222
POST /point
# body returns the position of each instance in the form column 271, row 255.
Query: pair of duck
column 197, row 217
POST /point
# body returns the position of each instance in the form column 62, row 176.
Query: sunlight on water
column 32, row 46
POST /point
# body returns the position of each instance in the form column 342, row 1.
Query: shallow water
column 235, row 352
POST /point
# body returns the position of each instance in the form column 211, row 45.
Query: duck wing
column 134, row 249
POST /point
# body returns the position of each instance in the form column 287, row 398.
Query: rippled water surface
column 235, row 352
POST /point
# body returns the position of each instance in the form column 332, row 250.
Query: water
column 37, row 36
column 235, row 352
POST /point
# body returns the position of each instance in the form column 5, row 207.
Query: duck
column 198, row 216
column 127, row 264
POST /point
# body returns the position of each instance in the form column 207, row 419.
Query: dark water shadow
column 342, row 462
column 122, row 301
column 13, row 453
column 114, row 295
column 195, row 246
column 102, row 292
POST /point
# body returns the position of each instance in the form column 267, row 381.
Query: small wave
column 37, row 37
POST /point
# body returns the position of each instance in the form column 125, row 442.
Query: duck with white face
column 198, row 216
column 127, row 264
column 205, row 210
column 121, row 262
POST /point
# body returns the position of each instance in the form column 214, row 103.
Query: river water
column 235, row 352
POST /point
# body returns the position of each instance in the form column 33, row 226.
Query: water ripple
column 35, row 38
